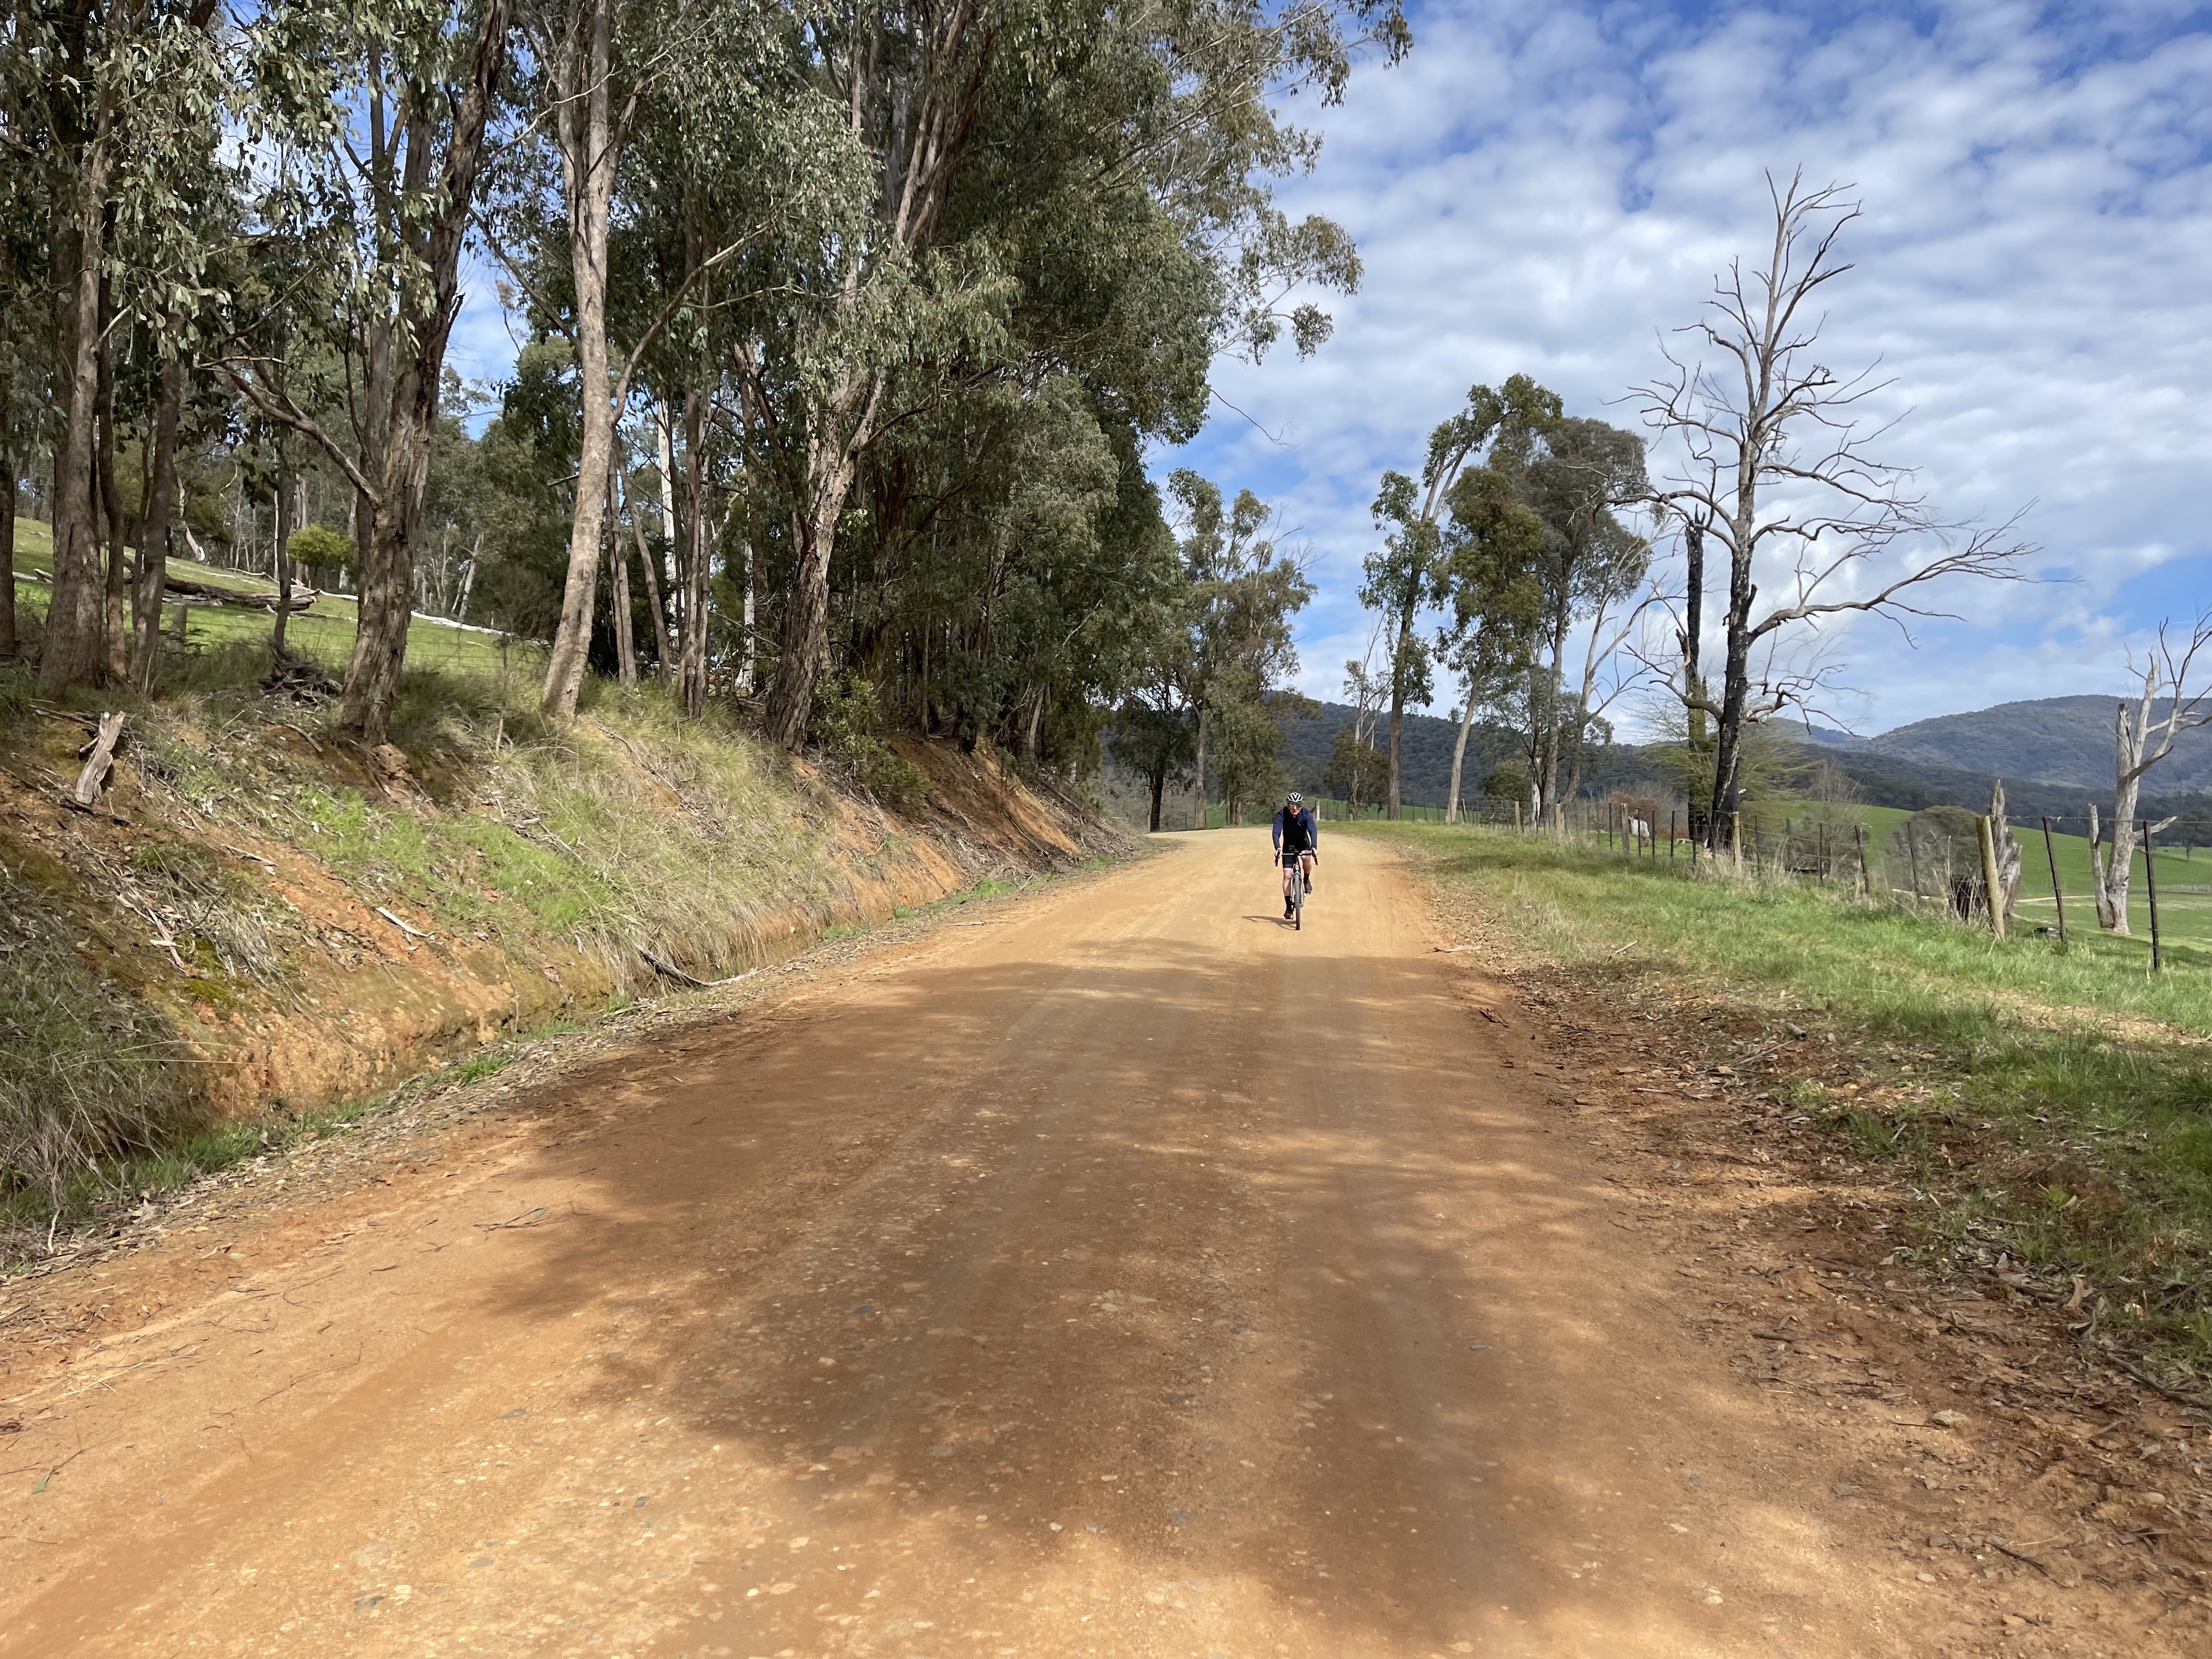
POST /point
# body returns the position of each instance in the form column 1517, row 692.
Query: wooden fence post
column 1992, row 898
column 2057, row 899
column 1866, row 875
column 2150, row 891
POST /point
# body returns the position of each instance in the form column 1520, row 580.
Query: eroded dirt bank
column 293, row 922
column 1129, row 1277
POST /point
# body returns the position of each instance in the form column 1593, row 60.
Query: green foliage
column 849, row 723
column 321, row 549
column 1506, row 787
column 1356, row 769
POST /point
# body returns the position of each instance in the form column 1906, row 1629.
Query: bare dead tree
column 2142, row 737
column 1779, row 471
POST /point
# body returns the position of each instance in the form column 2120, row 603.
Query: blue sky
column 1547, row 187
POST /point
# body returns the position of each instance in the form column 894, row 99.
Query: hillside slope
column 260, row 915
column 2063, row 740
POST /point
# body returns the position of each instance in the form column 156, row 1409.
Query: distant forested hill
column 1424, row 754
column 2061, row 740
column 1907, row 767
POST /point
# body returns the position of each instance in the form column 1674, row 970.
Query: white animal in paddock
column 1641, row 830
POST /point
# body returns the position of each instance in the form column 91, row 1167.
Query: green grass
column 2060, row 1102
column 324, row 634
column 2184, row 882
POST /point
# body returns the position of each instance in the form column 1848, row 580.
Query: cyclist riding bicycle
column 1297, row 841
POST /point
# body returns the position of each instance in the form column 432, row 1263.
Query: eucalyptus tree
column 1414, row 569
column 1245, row 588
column 1778, row 466
column 1159, row 117
column 721, row 82
column 116, row 107
column 1587, row 572
column 1492, row 547
column 384, row 109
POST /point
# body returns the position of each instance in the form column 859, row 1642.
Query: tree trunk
column 2110, row 880
column 698, row 553
column 588, row 161
column 8, row 504
column 748, row 660
column 71, row 652
column 469, row 580
column 287, row 523
column 1159, row 789
column 1735, row 692
column 1459, row 758
column 1204, row 716
column 428, row 301
column 1398, row 704
column 115, row 588
column 160, row 509
column 625, row 643
column 831, row 449
column 654, row 613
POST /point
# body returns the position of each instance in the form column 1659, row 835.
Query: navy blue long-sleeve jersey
column 1296, row 834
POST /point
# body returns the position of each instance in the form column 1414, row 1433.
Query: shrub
column 848, row 724
column 321, row 549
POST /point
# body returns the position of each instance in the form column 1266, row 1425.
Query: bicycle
column 1297, row 883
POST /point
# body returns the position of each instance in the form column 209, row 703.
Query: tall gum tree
column 397, row 99
column 1411, row 571
column 117, row 101
column 917, row 87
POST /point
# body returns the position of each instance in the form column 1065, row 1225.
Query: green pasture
column 324, row 634
column 2185, row 881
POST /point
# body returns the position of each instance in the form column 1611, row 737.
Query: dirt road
column 1129, row 1276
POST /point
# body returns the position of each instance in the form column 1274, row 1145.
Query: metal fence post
column 2057, row 899
column 2150, row 891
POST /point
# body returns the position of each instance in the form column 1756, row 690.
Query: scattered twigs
column 48, row 1476
column 527, row 1219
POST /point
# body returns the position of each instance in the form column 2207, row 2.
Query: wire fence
column 1915, row 867
column 1326, row 809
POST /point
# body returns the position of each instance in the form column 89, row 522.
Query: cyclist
column 1297, row 841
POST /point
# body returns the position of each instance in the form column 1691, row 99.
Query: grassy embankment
column 2059, row 1105
column 219, row 971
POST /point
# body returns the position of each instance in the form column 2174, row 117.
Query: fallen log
column 187, row 591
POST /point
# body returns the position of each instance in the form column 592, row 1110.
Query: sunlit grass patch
column 2061, row 1100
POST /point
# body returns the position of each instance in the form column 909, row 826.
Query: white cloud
column 1546, row 187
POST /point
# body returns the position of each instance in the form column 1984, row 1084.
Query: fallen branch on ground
column 411, row 933
column 99, row 761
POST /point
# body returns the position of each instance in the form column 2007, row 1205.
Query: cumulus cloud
column 1549, row 186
